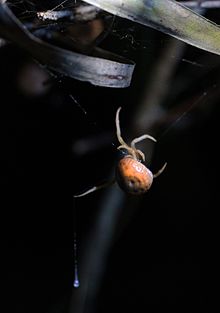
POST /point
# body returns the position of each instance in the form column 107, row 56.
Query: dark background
column 163, row 255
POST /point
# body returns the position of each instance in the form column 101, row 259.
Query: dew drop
column 76, row 282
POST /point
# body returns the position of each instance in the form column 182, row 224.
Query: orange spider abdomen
column 133, row 176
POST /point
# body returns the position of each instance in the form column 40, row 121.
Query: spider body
column 132, row 176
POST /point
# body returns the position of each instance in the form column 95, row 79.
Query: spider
column 131, row 174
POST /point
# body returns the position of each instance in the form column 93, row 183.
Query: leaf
column 169, row 17
column 102, row 68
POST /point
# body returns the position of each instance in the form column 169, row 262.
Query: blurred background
column 148, row 253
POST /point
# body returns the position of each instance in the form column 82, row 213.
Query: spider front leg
column 123, row 145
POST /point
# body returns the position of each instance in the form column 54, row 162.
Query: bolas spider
column 131, row 174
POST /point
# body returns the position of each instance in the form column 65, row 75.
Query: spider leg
column 118, row 129
column 138, row 139
column 95, row 188
column 126, row 147
column 141, row 154
column 160, row 171
column 130, row 151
